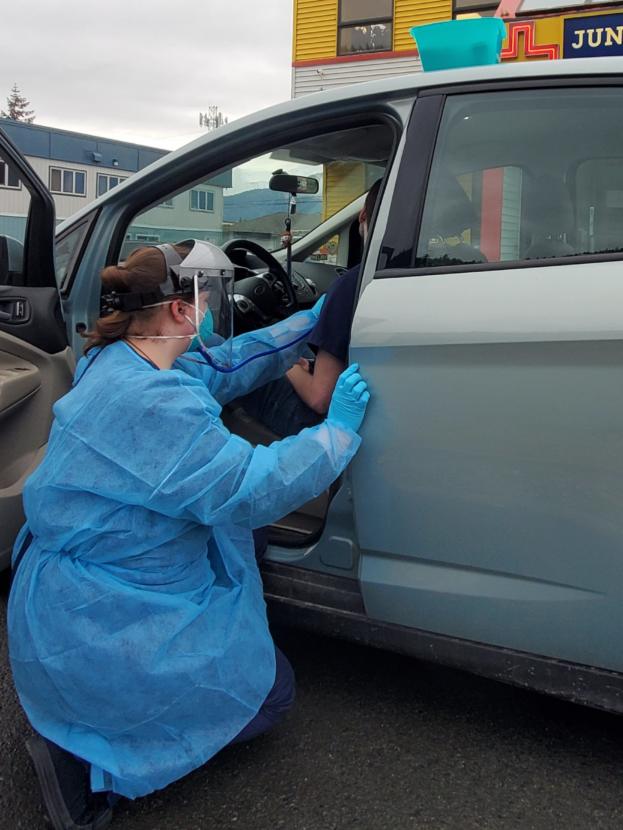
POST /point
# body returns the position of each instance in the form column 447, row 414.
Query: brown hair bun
column 144, row 270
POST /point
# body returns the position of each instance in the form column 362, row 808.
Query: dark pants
column 278, row 407
column 281, row 696
column 260, row 540
column 280, row 699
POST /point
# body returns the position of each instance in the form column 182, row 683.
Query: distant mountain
column 251, row 204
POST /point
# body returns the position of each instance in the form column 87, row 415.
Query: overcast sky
column 142, row 71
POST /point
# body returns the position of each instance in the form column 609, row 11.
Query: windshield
column 253, row 211
column 238, row 202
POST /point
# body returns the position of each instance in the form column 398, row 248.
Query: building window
column 365, row 26
column 69, row 182
column 106, row 182
column 168, row 203
column 9, row 177
column 473, row 8
column 202, row 200
column 147, row 237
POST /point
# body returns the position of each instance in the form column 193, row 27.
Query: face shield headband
column 204, row 261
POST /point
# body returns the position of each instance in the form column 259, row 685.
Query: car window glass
column 238, row 202
column 599, row 186
column 13, row 220
column 327, row 252
column 66, row 250
column 525, row 175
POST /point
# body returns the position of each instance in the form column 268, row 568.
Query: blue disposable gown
column 137, row 625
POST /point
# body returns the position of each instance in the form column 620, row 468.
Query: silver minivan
column 481, row 523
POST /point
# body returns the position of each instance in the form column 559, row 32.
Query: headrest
column 453, row 212
column 549, row 211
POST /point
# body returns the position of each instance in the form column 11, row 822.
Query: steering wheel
column 270, row 294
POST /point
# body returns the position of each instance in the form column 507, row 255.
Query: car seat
column 452, row 214
column 550, row 215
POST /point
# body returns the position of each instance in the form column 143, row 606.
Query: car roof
column 392, row 87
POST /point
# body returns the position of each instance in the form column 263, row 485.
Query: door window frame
column 398, row 248
column 38, row 270
column 235, row 149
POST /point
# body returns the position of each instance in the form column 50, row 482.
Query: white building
column 76, row 167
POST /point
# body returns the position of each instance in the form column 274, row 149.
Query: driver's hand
column 304, row 363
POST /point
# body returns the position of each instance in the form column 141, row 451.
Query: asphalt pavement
column 376, row 741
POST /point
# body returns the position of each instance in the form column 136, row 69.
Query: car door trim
column 507, row 265
column 405, row 212
column 327, row 605
column 504, row 85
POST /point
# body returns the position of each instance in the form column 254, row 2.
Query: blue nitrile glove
column 350, row 399
column 317, row 308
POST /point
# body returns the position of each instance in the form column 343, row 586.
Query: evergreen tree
column 17, row 107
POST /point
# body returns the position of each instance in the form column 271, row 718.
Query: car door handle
column 14, row 310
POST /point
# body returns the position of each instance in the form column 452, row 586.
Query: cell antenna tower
column 212, row 119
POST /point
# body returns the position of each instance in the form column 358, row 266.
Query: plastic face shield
column 205, row 279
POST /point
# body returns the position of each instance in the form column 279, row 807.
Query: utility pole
column 212, row 119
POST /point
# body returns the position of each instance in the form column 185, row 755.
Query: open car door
column 36, row 363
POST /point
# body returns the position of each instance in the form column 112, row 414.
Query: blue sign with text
column 593, row 37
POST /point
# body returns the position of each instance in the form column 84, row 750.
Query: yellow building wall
column 315, row 25
column 315, row 29
column 408, row 13
column 549, row 30
column 343, row 182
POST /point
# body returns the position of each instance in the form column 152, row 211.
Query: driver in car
column 302, row 396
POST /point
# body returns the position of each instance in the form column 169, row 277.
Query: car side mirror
column 284, row 183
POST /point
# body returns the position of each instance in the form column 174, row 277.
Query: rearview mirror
column 284, row 183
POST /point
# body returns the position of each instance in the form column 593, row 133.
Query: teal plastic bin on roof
column 458, row 43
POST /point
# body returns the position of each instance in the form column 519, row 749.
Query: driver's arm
column 316, row 388
column 331, row 338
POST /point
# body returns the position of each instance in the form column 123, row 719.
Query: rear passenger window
column 525, row 175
